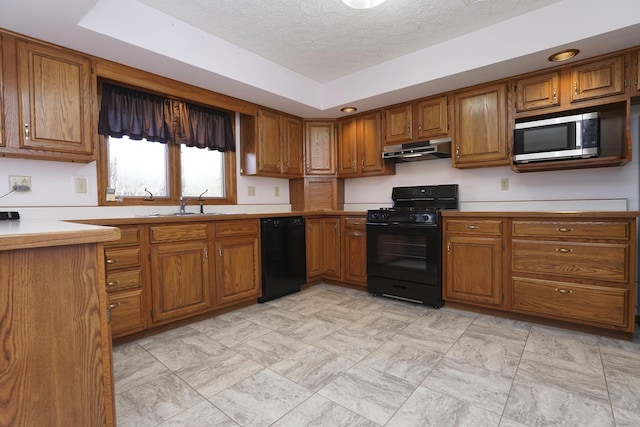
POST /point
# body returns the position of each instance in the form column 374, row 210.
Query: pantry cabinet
column 180, row 273
column 125, row 282
column 237, row 254
column 271, row 144
column 355, row 250
column 473, row 260
column 482, row 134
column 360, row 146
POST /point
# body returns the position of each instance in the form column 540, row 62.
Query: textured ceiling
column 325, row 40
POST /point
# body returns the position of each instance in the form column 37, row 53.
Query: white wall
column 483, row 185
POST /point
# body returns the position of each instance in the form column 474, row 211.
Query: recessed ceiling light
column 349, row 109
column 564, row 55
column 362, row 4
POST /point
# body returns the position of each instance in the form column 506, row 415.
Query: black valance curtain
column 141, row 115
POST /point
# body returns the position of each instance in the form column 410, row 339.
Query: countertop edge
column 37, row 234
column 585, row 215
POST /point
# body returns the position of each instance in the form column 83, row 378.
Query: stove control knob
column 413, row 217
column 373, row 216
column 385, row 216
column 426, row 218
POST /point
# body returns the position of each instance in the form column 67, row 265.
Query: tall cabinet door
column 55, row 99
column 481, row 127
column 269, row 144
column 293, row 146
column 370, row 137
column 180, row 280
column 347, row 146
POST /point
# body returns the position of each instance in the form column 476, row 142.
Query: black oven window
column 406, row 251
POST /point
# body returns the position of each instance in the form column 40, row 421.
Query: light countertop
column 22, row 234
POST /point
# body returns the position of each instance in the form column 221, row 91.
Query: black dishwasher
column 283, row 254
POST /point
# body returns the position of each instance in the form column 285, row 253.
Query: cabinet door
column 481, row 127
column 331, row 245
column 355, row 256
column 398, row 124
column 269, row 141
column 320, row 148
column 347, row 146
column 293, row 148
column 315, row 248
column 370, row 143
column 55, row 99
column 539, row 91
column 432, row 118
column 473, row 270
column 237, row 270
column 3, row 141
column 636, row 72
column 597, row 79
column 180, row 280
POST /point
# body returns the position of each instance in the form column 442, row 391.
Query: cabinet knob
column 472, row 227
column 113, row 305
column 26, row 131
column 555, row 94
column 457, row 152
column 575, row 87
column 220, row 251
column 113, row 283
column 563, row 291
column 112, row 261
column 362, row 164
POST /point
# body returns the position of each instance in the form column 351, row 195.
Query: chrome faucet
column 183, row 203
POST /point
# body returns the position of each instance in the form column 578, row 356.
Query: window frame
column 174, row 176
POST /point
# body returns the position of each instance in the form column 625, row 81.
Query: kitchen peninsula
column 56, row 367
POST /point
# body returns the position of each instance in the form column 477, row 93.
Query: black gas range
column 404, row 251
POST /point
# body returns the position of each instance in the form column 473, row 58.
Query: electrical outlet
column 80, row 184
column 276, row 191
column 251, row 190
column 504, row 184
column 19, row 183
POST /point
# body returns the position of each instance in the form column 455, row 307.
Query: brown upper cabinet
column 598, row 79
column 55, row 99
column 582, row 84
column 320, row 147
column 481, row 127
column 271, row 144
column 360, row 146
column 636, row 73
column 3, row 141
column 419, row 120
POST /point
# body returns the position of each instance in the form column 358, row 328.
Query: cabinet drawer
column 572, row 229
column 236, row 228
column 589, row 304
column 173, row 233
column 120, row 258
column 129, row 236
column 595, row 261
column 118, row 280
column 126, row 312
column 356, row 223
column 475, row 226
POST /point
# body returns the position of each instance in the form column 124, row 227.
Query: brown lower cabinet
column 323, row 248
column 355, row 250
column 572, row 268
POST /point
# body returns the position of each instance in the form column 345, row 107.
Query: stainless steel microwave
column 566, row 137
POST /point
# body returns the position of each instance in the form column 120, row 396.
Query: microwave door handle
column 579, row 134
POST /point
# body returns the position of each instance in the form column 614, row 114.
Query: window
column 150, row 150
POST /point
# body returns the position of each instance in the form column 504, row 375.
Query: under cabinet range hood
column 423, row 150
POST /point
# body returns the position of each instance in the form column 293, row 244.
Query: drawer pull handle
column 564, row 291
column 564, row 250
column 113, row 283
column 356, row 223
column 114, row 305
column 472, row 227
column 564, row 229
column 112, row 261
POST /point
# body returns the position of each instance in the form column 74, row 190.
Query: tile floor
column 332, row 356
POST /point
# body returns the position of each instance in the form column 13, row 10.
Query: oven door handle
column 402, row 224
